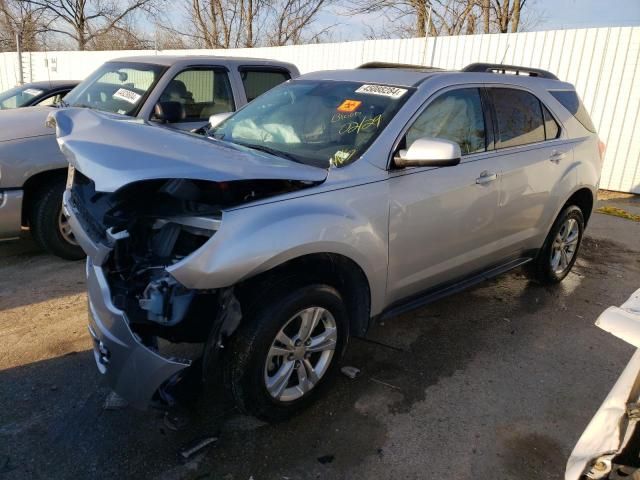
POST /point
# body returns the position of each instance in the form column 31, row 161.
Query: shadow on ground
column 495, row 382
column 29, row 276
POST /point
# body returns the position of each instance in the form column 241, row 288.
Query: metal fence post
column 19, row 50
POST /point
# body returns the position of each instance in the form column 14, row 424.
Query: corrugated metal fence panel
column 601, row 62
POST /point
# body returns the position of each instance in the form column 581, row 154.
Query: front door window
column 202, row 92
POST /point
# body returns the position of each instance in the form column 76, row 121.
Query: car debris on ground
column 351, row 372
column 195, row 447
column 114, row 402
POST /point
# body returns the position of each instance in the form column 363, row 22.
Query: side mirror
column 218, row 118
column 168, row 112
column 429, row 152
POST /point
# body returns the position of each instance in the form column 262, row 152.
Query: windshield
column 18, row 97
column 116, row 87
column 316, row 122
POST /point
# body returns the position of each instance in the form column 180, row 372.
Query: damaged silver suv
column 332, row 200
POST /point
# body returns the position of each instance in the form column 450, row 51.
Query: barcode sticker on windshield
column 34, row 92
column 384, row 90
column 127, row 95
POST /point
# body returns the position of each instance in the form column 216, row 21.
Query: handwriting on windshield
column 338, row 117
column 364, row 125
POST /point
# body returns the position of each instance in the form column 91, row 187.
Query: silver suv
column 330, row 201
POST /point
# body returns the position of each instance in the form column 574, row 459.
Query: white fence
column 601, row 62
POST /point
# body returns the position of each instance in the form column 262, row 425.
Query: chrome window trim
column 562, row 135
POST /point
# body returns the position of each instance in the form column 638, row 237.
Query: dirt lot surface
column 496, row 382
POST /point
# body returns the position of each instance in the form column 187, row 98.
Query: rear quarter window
column 551, row 127
column 571, row 101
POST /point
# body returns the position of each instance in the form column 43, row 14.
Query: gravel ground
column 495, row 382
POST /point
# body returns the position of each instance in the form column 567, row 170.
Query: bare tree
column 486, row 15
column 123, row 36
column 166, row 38
column 293, row 19
column 20, row 19
column 85, row 20
column 409, row 18
column 226, row 23
column 251, row 23
column 508, row 14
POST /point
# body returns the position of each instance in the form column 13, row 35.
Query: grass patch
column 618, row 212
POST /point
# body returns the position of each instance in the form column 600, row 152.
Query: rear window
column 258, row 81
column 570, row 100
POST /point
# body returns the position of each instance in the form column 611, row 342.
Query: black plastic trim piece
column 437, row 293
column 399, row 66
column 518, row 70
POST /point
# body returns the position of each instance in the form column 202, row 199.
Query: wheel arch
column 583, row 198
column 34, row 184
column 336, row 270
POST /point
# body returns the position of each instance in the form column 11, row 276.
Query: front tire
column 560, row 250
column 287, row 351
column 48, row 225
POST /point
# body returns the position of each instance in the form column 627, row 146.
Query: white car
column 609, row 447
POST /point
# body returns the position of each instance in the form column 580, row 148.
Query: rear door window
column 519, row 117
column 201, row 91
column 456, row 116
column 258, row 81
column 570, row 100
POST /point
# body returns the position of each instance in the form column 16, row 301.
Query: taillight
column 601, row 148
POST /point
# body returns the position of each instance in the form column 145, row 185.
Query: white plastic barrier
column 601, row 62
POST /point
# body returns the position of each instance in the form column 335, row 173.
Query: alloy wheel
column 65, row 229
column 300, row 354
column 565, row 246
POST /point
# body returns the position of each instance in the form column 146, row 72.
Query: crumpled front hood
column 24, row 123
column 114, row 152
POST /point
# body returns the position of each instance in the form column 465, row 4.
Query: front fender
column 25, row 157
column 352, row 222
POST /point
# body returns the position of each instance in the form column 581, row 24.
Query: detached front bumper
column 130, row 368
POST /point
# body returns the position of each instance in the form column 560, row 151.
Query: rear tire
column 272, row 369
column 560, row 250
column 47, row 222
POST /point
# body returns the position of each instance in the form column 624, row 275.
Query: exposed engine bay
column 150, row 225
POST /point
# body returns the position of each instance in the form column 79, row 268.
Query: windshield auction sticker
column 127, row 95
column 383, row 90
column 34, row 92
column 349, row 105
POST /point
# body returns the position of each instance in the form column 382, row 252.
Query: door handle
column 556, row 156
column 486, row 177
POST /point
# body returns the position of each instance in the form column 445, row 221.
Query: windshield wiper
column 269, row 150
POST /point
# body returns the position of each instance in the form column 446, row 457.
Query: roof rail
column 512, row 69
column 399, row 66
